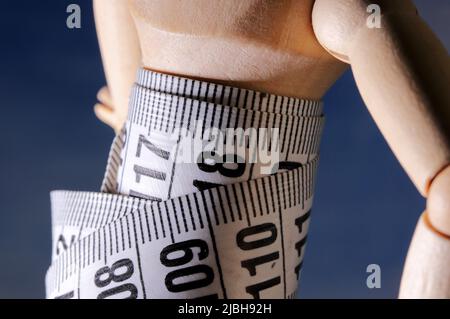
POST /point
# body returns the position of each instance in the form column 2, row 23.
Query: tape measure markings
column 180, row 203
column 202, row 111
column 239, row 97
column 259, row 220
column 81, row 248
column 307, row 148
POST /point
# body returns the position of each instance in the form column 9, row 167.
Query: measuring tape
column 176, row 217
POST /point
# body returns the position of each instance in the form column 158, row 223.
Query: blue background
column 365, row 208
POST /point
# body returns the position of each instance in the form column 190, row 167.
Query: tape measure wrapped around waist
column 207, row 193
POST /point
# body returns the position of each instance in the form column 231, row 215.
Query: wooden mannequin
column 296, row 48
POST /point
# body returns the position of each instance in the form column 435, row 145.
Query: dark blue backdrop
column 365, row 208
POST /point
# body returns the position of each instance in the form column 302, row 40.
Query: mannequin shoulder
column 336, row 22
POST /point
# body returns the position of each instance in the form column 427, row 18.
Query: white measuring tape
column 178, row 221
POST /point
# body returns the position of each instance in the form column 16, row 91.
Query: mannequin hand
column 105, row 110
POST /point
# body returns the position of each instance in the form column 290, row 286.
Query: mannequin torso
column 264, row 45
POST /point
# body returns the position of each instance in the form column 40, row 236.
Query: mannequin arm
column 121, row 57
column 403, row 73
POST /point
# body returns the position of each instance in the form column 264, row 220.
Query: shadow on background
column 365, row 207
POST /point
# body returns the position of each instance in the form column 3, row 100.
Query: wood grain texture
column 121, row 55
column 266, row 45
column 427, row 272
column 403, row 81
column 438, row 204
